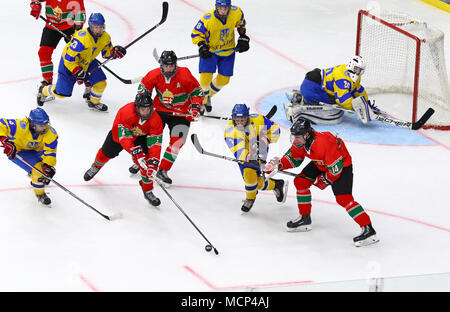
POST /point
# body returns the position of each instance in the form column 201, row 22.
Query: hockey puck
column 208, row 248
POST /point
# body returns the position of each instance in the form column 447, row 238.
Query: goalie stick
column 125, row 81
column 269, row 115
column 382, row 117
column 165, row 11
column 110, row 218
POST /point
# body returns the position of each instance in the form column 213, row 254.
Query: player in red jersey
column 331, row 164
column 177, row 92
column 138, row 130
column 66, row 15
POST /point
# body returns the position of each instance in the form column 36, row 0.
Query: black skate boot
column 207, row 105
column 87, row 93
column 100, row 106
column 367, row 236
column 134, row 169
column 44, row 199
column 40, row 98
column 280, row 190
column 248, row 204
column 301, row 224
column 91, row 172
column 162, row 175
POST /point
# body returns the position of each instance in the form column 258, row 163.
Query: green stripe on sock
column 355, row 211
column 170, row 157
column 303, row 199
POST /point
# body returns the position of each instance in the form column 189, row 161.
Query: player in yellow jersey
column 36, row 142
column 248, row 137
column 214, row 34
column 78, row 64
column 340, row 85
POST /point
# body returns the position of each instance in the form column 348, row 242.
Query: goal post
column 405, row 56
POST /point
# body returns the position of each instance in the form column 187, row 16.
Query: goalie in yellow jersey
column 78, row 64
column 34, row 140
column 339, row 85
column 248, row 137
column 214, row 35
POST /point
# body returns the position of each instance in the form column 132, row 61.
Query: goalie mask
column 39, row 121
column 356, row 67
column 168, row 61
column 302, row 134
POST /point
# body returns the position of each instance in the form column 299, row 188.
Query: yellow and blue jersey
column 18, row 131
column 240, row 141
column 337, row 83
column 83, row 48
column 218, row 35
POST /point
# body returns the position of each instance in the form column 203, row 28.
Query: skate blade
column 303, row 228
column 368, row 241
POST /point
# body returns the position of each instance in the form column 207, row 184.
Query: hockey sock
column 205, row 80
column 265, row 185
column 354, row 209
column 97, row 92
column 45, row 58
column 171, row 153
column 251, row 182
column 303, row 195
column 217, row 84
column 100, row 159
column 146, row 183
column 50, row 91
column 38, row 187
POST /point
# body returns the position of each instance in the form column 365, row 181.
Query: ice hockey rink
column 400, row 176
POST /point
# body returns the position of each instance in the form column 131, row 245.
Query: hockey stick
column 165, row 10
column 200, row 149
column 125, row 81
column 269, row 115
column 382, row 117
column 156, row 55
column 207, row 247
column 110, row 218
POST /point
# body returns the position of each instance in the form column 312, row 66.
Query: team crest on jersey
column 178, row 85
column 58, row 14
column 137, row 131
column 23, row 124
column 167, row 99
column 224, row 34
column 207, row 16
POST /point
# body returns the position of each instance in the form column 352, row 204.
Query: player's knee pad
column 99, row 87
column 221, row 80
column 344, row 200
column 205, row 80
column 45, row 53
column 302, row 182
column 250, row 176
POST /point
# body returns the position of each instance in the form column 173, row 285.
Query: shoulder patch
column 207, row 16
column 23, row 124
column 254, row 115
column 233, row 8
column 53, row 131
column 82, row 33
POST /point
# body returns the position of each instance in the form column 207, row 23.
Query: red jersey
column 174, row 94
column 327, row 151
column 128, row 126
column 64, row 13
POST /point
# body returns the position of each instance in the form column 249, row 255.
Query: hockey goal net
column 406, row 56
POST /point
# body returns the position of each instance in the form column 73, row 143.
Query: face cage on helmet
column 140, row 116
column 168, row 76
column 240, row 127
column 96, row 35
column 33, row 127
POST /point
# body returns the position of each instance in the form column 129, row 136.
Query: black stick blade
column 272, row 112
column 196, row 143
column 165, row 11
column 419, row 124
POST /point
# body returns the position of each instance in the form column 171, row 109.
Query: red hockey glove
column 8, row 147
column 79, row 74
column 322, row 182
column 194, row 110
column 138, row 155
column 35, row 9
column 118, row 52
column 49, row 172
column 152, row 166
column 272, row 165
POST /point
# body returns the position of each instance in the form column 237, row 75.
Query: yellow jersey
column 240, row 141
column 337, row 83
column 218, row 35
column 83, row 48
column 18, row 131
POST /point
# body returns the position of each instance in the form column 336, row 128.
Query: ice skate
column 163, row 177
column 134, row 169
column 207, row 104
column 40, row 98
column 100, row 106
column 152, row 199
column 248, row 204
column 87, row 93
column 44, row 199
column 301, row 224
column 91, row 172
column 280, row 190
column 367, row 236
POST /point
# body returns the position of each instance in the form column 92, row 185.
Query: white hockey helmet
column 356, row 62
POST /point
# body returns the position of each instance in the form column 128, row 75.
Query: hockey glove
column 272, row 165
column 322, row 182
column 243, row 43
column 194, row 111
column 35, row 9
column 118, row 52
column 79, row 74
column 152, row 167
column 138, row 155
column 49, row 173
column 8, row 147
column 204, row 50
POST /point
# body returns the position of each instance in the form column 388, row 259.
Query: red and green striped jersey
column 327, row 151
column 65, row 13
